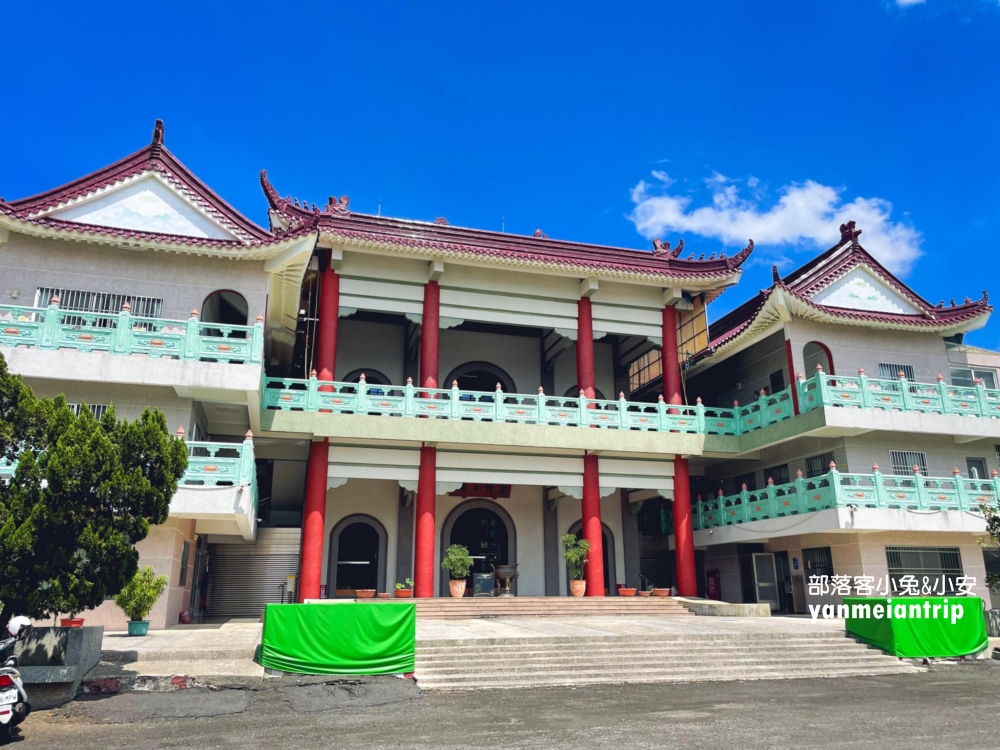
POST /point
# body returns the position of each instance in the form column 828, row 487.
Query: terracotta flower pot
column 645, row 593
column 383, row 595
column 404, row 593
column 457, row 588
column 661, row 592
column 626, row 592
column 577, row 588
column 365, row 593
column 71, row 622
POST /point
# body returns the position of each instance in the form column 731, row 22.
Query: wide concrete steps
column 567, row 661
column 548, row 606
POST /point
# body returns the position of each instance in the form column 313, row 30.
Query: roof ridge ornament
column 157, row 133
column 849, row 232
column 737, row 260
column 775, row 276
column 337, row 206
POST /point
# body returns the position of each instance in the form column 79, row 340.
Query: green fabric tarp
column 340, row 638
column 923, row 637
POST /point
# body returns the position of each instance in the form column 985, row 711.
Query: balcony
column 500, row 408
column 834, row 490
column 218, row 490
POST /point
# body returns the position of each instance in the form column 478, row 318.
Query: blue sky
column 712, row 121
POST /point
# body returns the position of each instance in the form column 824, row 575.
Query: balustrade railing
column 312, row 395
column 836, row 490
column 214, row 464
column 126, row 334
column 901, row 394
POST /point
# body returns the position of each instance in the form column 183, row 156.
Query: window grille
column 964, row 377
column 777, row 381
column 778, row 473
column 890, row 371
column 930, row 562
column 99, row 302
column 97, row 410
column 818, row 561
column 816, row 465
column 750, row 480
column 902, row 462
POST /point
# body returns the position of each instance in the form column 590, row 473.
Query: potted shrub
column 457, row 562
column 404, row 592
column 138, row 597
column 575, row 554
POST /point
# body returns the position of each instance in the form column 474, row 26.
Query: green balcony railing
column 126, row 334
column 312, row 395
column 862, row 392
column 210, row 464
column 836, row 490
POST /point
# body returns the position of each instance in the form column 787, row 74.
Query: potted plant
column 138, row 597
column 365, row 593
column 71, row 622
column 457, row 562
column 575, row 555
column 404, row 592
column 626, row 591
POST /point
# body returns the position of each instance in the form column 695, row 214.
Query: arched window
column 814, row 353
column 225, row 306
column 358, row 545
column 488, row 531
column 480, row 376
column 574, row 392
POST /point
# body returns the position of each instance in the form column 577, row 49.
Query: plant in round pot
column 457, row 562
column 138, row 597
column 575, row 554
column 404, row 592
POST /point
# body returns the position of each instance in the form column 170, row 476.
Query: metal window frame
column 779, row 473
column 898, row 566
column 891, row 370
column 108, row 303
column 817, row 561
column 823, row 463
column 897, row 459
column 98, row 410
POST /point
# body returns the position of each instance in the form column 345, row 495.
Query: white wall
column 363, row 344
column 519, row 356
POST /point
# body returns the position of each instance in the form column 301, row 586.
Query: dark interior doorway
column 357, row 559
column 484, row 534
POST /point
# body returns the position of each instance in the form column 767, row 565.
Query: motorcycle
column 14, row 705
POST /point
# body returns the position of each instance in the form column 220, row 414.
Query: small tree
column 991, row 541
column 575, row 555
column 83, row 494
column 140, row 594
column 457, row 561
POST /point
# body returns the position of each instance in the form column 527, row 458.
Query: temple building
column 359, row 392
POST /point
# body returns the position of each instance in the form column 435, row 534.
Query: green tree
column 84, row 492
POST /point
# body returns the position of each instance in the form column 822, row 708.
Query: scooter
column 14, row 706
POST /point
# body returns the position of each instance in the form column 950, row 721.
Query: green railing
column 312, row 395
column 212, row 464
column 209, row 465
column 901, row 394
column 125, row 334
column 836, row 490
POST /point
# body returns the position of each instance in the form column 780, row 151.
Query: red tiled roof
column 825, row 269
column 337, row 220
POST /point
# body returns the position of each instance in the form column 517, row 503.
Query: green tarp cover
column 914, row 638
column 342, row 638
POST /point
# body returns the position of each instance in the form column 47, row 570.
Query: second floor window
column 964, row 377
column 902, row 462
column 816, row 465
column 96, row 409
column 778, row 473
column 98, row 302
column 644, row 369
column 890, row 371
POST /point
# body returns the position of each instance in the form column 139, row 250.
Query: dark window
column 932, row 563
column 818, row 561
column 902, row 462
column 778, row 473
column 816, row 465
column 977, row 468
column 750, row 480
column 777, row 381
column 891, row 371
column 966, row 378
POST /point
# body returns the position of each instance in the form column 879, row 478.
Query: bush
column 140, row 594
column 457, row 561
column 575, row 555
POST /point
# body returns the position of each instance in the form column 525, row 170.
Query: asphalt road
column 953, row 706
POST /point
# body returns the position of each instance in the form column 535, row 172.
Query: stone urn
column 577, row 588
column 457, row 587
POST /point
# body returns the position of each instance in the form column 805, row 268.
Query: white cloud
column 752, row 181
column 808, row 215
column 904, row 3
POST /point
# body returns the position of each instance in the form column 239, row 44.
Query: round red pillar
column 585, row 349
column 313, row 521
column 668, row 353
column 423, row 553
column 687, row 578
column 429, row 332
column 329, row 319
column 592, row 529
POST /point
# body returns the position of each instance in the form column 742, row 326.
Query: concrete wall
column 604, row 371
column 943, row 454
column 162, row 549
column 181, row 281
column 518, row 356
column 794, row 453
column 367, row 345
column 741, row 376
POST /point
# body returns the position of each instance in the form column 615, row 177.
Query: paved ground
column 952, row 706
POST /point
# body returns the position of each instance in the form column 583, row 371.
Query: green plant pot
column 138, row 627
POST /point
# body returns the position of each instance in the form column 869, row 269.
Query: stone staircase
column 576, row 661
column 546, row 606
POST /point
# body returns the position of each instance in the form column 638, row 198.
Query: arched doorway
column 608, row 542
column 488, row 531
column 574, row 392
column 358, row 546
column 480, row 376
column 375, row 380
column 814, row 353
column 225, row 306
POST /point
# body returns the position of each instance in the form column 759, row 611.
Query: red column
column 791, row 376
column 592, row 530
column 687, row 579
column 429, row 330
column 585, row 348
column 668, row 353
column 313, row 521
column 329, row 319
column 423, row 554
